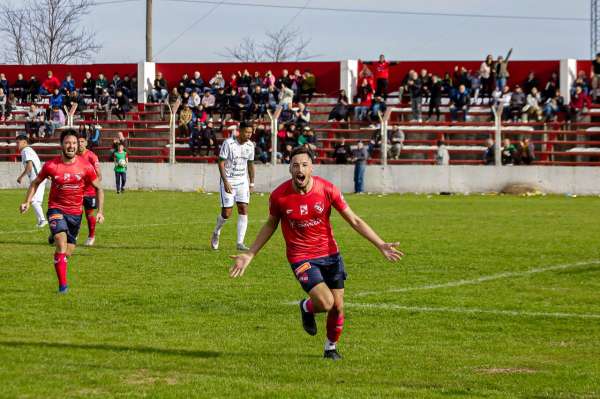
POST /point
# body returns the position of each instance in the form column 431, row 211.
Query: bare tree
column 282, row 45
column 48, row 32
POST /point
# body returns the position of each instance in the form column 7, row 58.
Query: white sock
column 329, row 345
column 220, row 223
column 39, row 212
column 242, row 225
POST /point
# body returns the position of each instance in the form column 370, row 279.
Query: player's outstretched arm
column 242, row 261
column 30, row 193
column 388, row 249
column 100, row 195
column 26, row 171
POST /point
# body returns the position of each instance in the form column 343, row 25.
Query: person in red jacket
column 580, row 102
column 382, row 75
column 50, row 84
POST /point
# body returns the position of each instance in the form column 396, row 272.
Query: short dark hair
column 245, row 124
column 22, row 137
column 82, row 135
column 68, row 132
column 302, row 150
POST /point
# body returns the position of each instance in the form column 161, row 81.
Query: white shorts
column 240, row 192
column 39, row 193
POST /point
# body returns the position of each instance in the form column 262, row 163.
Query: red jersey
column 382, row 70
column 305, row 218
column 68, row 182
column 92, row 158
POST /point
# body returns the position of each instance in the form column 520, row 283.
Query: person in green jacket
column 121, row 161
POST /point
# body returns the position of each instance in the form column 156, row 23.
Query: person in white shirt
column 31, row 168
column 236, row 166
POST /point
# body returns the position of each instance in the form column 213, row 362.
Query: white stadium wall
column 390, row 179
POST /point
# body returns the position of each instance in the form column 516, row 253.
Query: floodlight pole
column 148, row 30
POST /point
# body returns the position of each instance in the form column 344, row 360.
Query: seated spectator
column 159, row 89
column 474, row 86
column 34, row 88
column 232, row 83
column 396, row 143
column 217, row 82
column 243, row 80
column 489, row 155
column 508, row 152
column 460, row 102
column 196, row 82
column 50, row 85
column 126, row 85
column 272, row 97
column 259, row 102
column 105, row 103
column 435, row 100
column 286, row 96
column 502, row 98
column 581, row 81
column 517, row 103
column 174, row 96
column 184, row 124
column 184, row 84
column 133, row 93
column 530, row 83
column 374, row 142
column 263, row 144
column 121, row 105
column 284, row 79
column 56, row 120
column 307, row 139
column 221, row 102
column 256, row 79
column 57, row 99
column 580, row 103
column 309, row 86
column 88, row 87
column 526, row 152
column 233, row 104
column 302, row 116
column 194, row 100
column 208, row 138
column 4, row 83
column 74, row 103
column 101, row 83
column 115, row 83
column 208, row 102
column 342, row 152
column 199, row 115
column 553, row 106
column 94, row 136
column 36, row 118
column 364, row 99
column 21, row 88
column 244, row 106
column 68, row 85
column 341, row 109
column 550, row 87
column 442, row 156
column 378, row 107
column 533, row 108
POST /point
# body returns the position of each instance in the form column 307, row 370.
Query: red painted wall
column 327, row 73
column 60, row 70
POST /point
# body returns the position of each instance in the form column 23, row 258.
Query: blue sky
column 335, row 36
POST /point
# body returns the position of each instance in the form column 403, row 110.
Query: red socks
column 60, row 265
column 308, row 306
column 91, row 220
column 335, row 325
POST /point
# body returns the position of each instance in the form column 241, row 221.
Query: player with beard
column 303, row 205
column 69, row 175
column 90, row 202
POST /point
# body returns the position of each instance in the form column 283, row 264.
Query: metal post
column 274, row 128
column 383, row 119
column 148, row 30
column 498, row 133
column 172, row 141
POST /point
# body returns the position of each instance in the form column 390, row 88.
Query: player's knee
column 326, row 302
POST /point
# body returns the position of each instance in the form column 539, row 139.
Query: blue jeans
column 360, row 112
column 359, row 175
column 500, row 83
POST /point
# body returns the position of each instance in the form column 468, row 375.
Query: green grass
column 152, row 312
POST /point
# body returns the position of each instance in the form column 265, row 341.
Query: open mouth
column 300, row 178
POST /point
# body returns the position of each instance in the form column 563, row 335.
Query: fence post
column 498, row 133
column 274, row 127
column 172, row 113
column 383, row 119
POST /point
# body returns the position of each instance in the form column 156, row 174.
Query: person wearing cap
column 307, row 139
column 31, row 167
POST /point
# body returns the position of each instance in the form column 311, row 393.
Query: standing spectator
column 3, row 104
column 341, row 109
column 50, row 85
column 485, row 72
column 442, row 156
column 533, row 108
column 309, row 86
column 474, row 86
column 517, row 103
column 437, row 89
column 426, row 82
column 553, row 106
column 378, row 108
column 20, row 88
column 116, row 83
column 284, row 79
column 121, row 161
column 263, row 144
column 580, row 103
column 269, row 79
column 296, row 85
column 530, row 83
column 34, row 88
column 359, row 157
column 459, row 102
column 121, row 106
column 501, row 69
column 302, row 116
column 550, row 87
column 396, row 143
column 595, row 76
column 159, row 90
column 415, row 90
column 88, row 86
column 341, row 152
column 4, row 83
column 526, row 151
column 508, row 152
column 489, row 155
column 221, row 101
column 364, row 96
column 286, row 96
column 382, row 75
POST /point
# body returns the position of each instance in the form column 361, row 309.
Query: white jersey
column 28, row 154
column 236, row 157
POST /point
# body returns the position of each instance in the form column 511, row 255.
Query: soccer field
column 497, row 297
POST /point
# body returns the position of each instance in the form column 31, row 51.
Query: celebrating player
column 303, row 205
column 236, row 166
column 89, row 194
column 32, row 167
column 69, row 174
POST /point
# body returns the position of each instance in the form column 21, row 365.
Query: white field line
column 482, row 279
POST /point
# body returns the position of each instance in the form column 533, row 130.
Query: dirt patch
column 521, row 189
column 144, row 377
column 507, row 370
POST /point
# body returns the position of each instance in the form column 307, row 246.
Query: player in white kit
column 236, row 166
column 31, row 168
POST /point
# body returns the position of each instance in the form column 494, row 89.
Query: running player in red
column 69, row 174
column 303, row 205
column 90, row 202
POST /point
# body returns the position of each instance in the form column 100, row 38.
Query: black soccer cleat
column 308, row 321
column 51, row 239
column 332, row 354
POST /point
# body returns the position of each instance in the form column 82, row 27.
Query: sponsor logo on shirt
column 303, row 209
column 302, row 268
column 319, row 207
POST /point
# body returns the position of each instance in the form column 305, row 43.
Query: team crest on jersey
column 303, row 209
column 288, row 211
column 319, row 207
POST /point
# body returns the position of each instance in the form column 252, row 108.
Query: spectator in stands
column 245, row 105
column 3, row 104
column 56, row 120
column 74, row 103
column 474, row 86
column 517, row 103
column 263, row 144
column 302, row 116
column 56, row 99
column 485, row 72
column 489, row 155
column 382, row 75
column 296, row 85
column 50, row 85
column 448, row 84
column 530, row 83
column 208, row 138
column 105, row 103
column 259, row 102
column 160, row 88
column 208, row 102
column 269, row 79
column 20, row 88
column 195, row 139
column 359, row 157
column 94, row 135
column 125, row 85
column 34, row 87
column 115, row 83
column 526, row 152
column 184, row 125
column 184, row 84
column 221, row 101
column 217, row 81
column 396, row 143
column 35, row 120
column 595, row 76
column 133, row 92
column 88, row 87
column 581, row 81
column 378, row 108
column 553, row 106
column 501, row 70
column 459, row 102
column 196, row 82
column 233, row 82
column 364, row 98
column 199, row 115
column 503, row 97
column 435, row 100
column 174, row 96
column 68, row 85
column 121, row 106
column 580, row 103
column 341, row 109
column 442, row 156
column 309, row 86
column 374, row 142
column 508, row 152
column 550, row 87
column 533, row 106
column 4, row 83
column 101, row 83
column 415, row 91
column 285, row 79
column 426, row 82
column 194, row 100
column 286, row 96
column 256, row 79
column 342, row 152
column 244, row 80
column 308, row 139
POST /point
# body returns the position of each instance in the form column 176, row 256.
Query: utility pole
column 148, row 30
column 594, row 28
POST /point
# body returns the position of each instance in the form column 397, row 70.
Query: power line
column 387, row 12
column 298, row 13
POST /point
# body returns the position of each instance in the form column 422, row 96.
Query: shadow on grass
column 113, row 348
column 44, row 243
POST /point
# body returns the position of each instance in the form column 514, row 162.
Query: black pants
column 434, row 105
column 382, row 85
